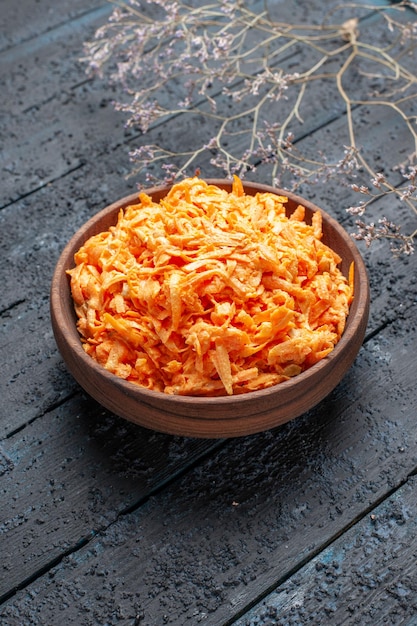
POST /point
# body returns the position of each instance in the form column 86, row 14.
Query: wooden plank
column 367, row 576
column 48, row 142
column 34, row 378
column 71, row 474
column 42, row 68
column 195, row 546
column 22, row 21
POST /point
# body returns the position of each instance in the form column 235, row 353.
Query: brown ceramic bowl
column 211, row 417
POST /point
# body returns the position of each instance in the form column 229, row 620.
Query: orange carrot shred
column 209, row 292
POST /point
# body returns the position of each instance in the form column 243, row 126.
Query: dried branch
column 221, row 52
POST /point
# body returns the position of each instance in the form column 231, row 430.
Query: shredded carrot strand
column 209, row 292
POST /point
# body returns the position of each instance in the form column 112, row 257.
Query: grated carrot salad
column 209, row 292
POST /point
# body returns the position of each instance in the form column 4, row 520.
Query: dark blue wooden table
column 103, row 522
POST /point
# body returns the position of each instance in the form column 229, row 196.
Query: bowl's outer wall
column 226, row 416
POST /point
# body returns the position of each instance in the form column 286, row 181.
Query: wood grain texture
column 24, row 21
column 103, row 522
column 368, row 576
column 70, row 475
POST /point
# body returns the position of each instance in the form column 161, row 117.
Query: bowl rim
column 354, row 323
